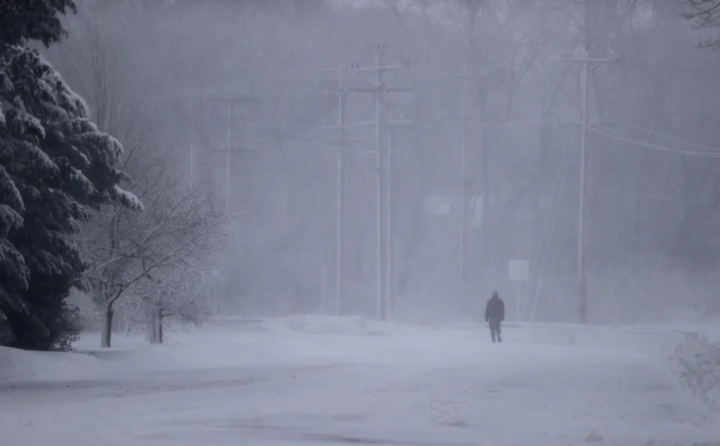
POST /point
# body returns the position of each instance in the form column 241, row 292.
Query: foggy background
column 241, row 98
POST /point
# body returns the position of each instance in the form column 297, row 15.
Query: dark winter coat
column 495, row 309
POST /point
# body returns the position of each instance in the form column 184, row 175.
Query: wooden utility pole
column 340, row 193
column 323, row 293
column 462, row 239
column 228, row 159
column 581, row 274
column 381, row 298
column 389, row 222
column 476, row 123
column 341, row 127
column 380, row 91
column 192, row 166
column 391, row 124
column 463, row 185
column 228, row 142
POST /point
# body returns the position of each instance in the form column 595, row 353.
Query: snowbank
column 336, row 325
column 694, row 358
column 236, row 342
column 708, row 328
column 227, row 342
column 21, row 365
column 306, row 323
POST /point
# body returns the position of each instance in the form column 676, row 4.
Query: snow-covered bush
column 698, row 363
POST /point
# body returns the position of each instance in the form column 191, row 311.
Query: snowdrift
column 336, row 325
column 308, row 324
column 694, row 359
column 20, row 365
column 228, row 341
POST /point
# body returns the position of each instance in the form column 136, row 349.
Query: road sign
column 518, row 270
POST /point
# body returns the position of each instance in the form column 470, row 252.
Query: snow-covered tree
column 179, row 294
column 23, row 20
column 138, row 255
column 56, row 168
column 134, row 256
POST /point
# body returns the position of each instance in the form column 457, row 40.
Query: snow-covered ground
column 707, row 328
column 324, row 381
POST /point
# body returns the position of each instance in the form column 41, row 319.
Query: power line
column 609, row 133
column 550, row 222
column 355, row 186
column 669, row 67
column 560, row 183
column 609, row 190
column 681, row 141
column 260, row 169
column 582, row 277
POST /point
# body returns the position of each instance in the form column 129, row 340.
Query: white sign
column 518, row 270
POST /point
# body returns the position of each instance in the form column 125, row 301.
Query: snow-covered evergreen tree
column 56, row 168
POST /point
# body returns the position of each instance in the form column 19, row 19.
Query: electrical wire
column 616, row 190
column 669, row 67
column 681, row 141
column 354, row 187
column 552, row 232
column 546, row 226
column 620, row 137
column 259, row 169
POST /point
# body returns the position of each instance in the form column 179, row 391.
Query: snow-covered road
column 444, row 388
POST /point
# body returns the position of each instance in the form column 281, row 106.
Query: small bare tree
column 180, row 231
column 176, row 293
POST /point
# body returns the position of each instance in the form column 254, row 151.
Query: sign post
column 518, row 271
column 323, row 280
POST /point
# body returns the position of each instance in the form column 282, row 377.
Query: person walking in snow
column 494, row 315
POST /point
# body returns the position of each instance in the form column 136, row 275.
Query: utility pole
column 340, row 193
column 228, row 168
column 582, row 278
column 477, row 123
column 192, row 166
column 323, row 281
column 228, row 159
column 463, row 186
column 388, row 237
column 380, row 91
column 581, row 274
column 382, row 304
column 342, row 127
column 463, row 177
column 391, row 124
